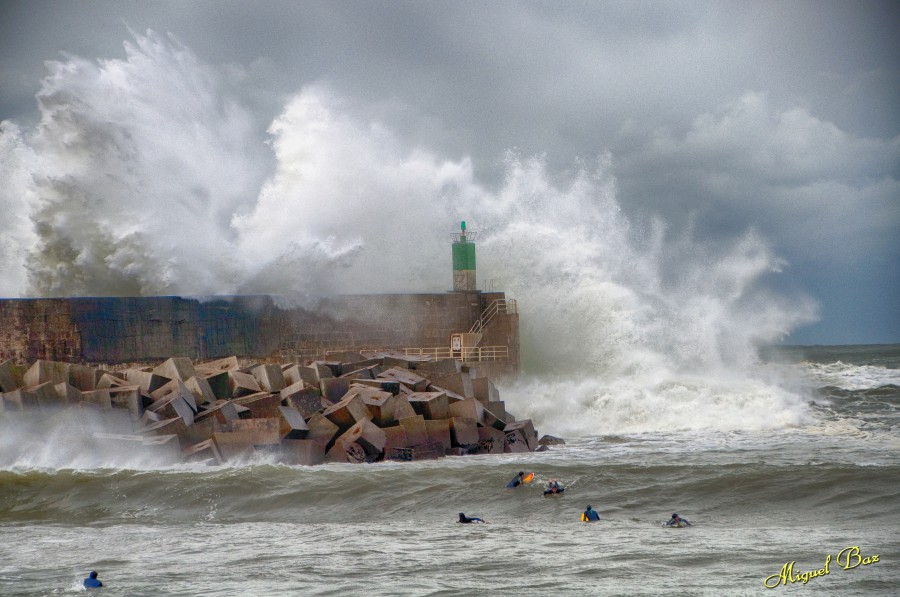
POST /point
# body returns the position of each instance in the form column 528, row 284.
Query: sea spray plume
column 17, row 237
column 144, row 162
column 347, row 186
column 630, row 328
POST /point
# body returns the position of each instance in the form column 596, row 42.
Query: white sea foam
column 143, row 178
column 851, row 377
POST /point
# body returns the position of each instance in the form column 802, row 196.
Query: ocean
column 773, row 502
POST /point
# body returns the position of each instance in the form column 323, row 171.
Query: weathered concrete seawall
column 142, row 329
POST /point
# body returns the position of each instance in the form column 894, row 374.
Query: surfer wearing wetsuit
column 469, row 519
column 554, row 488
column 92, row 582
column 678, row 521
column 589, row 515
column 517, row 480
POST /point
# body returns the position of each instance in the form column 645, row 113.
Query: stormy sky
column 715, row 118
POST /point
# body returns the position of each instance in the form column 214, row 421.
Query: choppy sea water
column 760, row 498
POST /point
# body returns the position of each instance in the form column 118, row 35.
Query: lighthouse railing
column 504, row 306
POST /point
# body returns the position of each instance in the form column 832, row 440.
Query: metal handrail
column 505, row 306
column 467, row 354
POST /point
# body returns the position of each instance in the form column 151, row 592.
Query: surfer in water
column 554, row 488
column 517, row 480
column 92, row 582
column 677, row 521
column 589, row 515
column 470, row 519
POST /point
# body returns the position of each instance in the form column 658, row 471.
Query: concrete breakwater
column 348, row 409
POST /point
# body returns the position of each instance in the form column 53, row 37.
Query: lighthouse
column 463, row 260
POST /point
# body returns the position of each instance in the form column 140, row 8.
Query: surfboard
column 528, row 478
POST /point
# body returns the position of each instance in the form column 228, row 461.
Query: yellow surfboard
column 528, row 478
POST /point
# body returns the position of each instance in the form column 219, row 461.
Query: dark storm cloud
column 780, row 116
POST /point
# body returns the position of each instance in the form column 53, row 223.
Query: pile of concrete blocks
column 389, row 407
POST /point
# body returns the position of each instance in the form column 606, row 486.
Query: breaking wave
column 146, row 176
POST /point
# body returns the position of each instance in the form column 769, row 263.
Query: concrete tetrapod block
column 220, row 384
column 439, row 433
column 292, row 424
column 129, row 398
column 173, row 405
column 67, row 393
column 306, row 400
column 99, row 398
column 203, row 451
column 111, row 379
column 269, row 377
column 495, row 415
column 223, row 412
column 550, row 440
column 470, row 408
column 173, row 426
column 451, row 395
column 180, row 368
column 83, row 377
column 334, row 388
column 346, row 452
column 347, row 412
column 458, row 383
column 321, row 429
column 414, row 382
column 19, row 400
column 385, row 385
column 431, row 405
column 528, row 432
column 215, row 367
column 322, row 371
column 490, row 441
column 381, row 405
column 297, row 373
column 262, row 405
column 463, row 431
column 45, row 395
column 149, row 417
column 175, row 386
column 43, row 371
column 199, row 431
column 202, row 391
column 402, row 408
column 261, row 432
column 416, row 432
column 422, row 452
column 365, row 373
column 484, row 390
column 515, row 442
column 366, row 434
column 11, row 377
column 429, row 451
column 242, row 384
column 148, row 381
column 303, row 452
column 395, row 437
column 234, row 445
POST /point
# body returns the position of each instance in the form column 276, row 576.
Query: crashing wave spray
column 143, row 177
